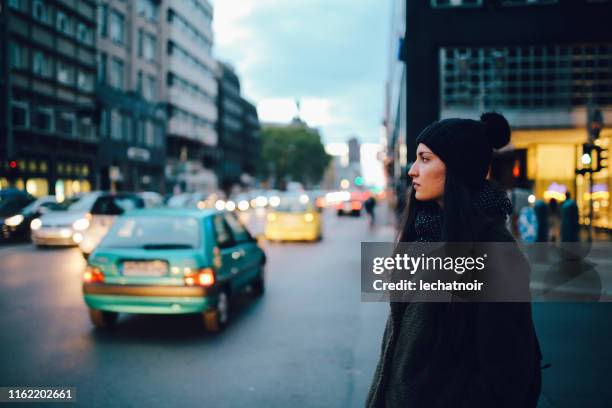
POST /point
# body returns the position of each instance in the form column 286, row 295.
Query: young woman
column 457, row 354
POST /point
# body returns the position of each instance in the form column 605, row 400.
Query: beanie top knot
column 497, row 129
column 465, row 145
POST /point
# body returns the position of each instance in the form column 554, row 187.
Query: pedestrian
column 553, row 219
column 457, row 354
column 370, row 206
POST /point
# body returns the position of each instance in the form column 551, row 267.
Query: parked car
column 17, row 226
column 172, row 261
column 102, row 215
column 12, row 202
column 294, row 219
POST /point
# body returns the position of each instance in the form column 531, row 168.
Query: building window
column 148, row 9
column 85, row 81
column 65, row 73
column 116, row 73
column 525, row 77
column 84, row 34
column 18, row 55
column 127, row 128
column 63, row 23
column 102, row 61
column 159, row 135
column 149, row 134
column 16, row 4
column 456, row 3
column 103, row 20
column 40, row 11
column 149, row 47
column 139, row 132
column 20, row 114
column 116, row 123
column 117, row 27
column 148, row 91
column 43, row 119
column 66, row 123
column 41, row 64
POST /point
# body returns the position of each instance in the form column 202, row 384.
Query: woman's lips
column 416, row 185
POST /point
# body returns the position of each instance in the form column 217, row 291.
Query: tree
column 293, row 153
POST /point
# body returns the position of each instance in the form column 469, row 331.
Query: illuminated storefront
column 552, row 159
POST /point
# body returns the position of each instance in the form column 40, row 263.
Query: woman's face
column 428, row 175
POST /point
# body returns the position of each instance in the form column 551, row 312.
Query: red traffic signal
column 13, row 164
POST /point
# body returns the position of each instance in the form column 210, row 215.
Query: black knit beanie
column 465, row 145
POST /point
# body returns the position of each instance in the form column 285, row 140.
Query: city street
column 308, row 342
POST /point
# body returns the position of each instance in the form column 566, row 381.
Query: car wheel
column 101, row 319
column 259, row 285
column 216, row 319
column 340, row 213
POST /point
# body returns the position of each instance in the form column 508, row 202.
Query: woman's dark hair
column 461, row 219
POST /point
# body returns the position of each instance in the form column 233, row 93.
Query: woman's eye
column 425, row 159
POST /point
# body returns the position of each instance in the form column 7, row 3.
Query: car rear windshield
column 292, row 207
column 116, row 205
column 83, row 203
column 153, row 232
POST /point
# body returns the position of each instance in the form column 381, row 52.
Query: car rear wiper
column 167, row 246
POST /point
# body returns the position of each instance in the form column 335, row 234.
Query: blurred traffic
column 181, row 254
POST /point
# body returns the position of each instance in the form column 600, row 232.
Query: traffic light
column 12, row 170
column 587, row 155
column 358, row 181
column 602, row 158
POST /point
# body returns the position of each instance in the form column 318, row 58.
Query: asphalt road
column 309, row 342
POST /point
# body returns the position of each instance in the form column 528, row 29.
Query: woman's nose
column 412, row 172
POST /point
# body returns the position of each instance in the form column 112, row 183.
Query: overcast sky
column 331, row 54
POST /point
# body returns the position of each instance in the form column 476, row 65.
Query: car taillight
column 204, row 277
column 93, row 275
column 356, row 205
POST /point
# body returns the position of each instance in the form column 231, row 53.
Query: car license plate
column 145, row 268
column 347, row 207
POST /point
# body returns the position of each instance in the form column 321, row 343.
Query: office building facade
column 189, row 89
column 132, row 116
column 48, row 141
column 544, row 74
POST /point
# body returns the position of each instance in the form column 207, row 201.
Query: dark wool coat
column 459, row 354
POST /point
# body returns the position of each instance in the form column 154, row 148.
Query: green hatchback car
column 171, row 261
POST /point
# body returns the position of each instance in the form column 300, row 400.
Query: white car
column 102, row 216
column 63, row 228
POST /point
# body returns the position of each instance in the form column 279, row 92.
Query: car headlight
column 81, row 224
column 14, row 221
column 36, row 224
column 308, row 217
column 271, row 217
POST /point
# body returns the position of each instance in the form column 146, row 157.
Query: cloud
column 330, row 55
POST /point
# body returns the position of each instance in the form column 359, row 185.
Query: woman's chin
column 420, row 196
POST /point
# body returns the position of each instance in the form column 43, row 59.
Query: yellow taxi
column 294, row 220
